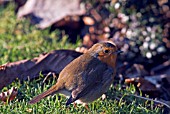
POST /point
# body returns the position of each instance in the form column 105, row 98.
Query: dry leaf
column 44, row 13
column 9, row 95
column 54, row 61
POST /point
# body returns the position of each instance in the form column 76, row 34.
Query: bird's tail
column 50, row 91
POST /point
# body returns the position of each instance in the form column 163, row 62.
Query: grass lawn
column 20, row 40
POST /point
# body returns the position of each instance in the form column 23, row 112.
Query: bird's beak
column 117, row 52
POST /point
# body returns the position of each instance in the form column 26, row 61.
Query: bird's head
column 106, row 52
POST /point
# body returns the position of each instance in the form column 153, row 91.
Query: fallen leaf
column 44, row 13
column 54, row 61
column 9, row 95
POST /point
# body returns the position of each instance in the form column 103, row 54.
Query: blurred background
column 140, row 28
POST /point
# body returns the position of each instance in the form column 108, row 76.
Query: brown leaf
column 54, row 61
column 8, row 95
column 47, row 12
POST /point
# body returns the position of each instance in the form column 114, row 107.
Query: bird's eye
column 106, row 51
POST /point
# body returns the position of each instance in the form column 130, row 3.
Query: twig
column 149, row 99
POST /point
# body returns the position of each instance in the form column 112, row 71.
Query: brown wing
column 92, row 77
column 80, row 71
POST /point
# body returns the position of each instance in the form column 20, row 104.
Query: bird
column 87, row 77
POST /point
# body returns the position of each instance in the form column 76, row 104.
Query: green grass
column 20, row 40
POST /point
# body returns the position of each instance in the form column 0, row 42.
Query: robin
column 87, row 77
